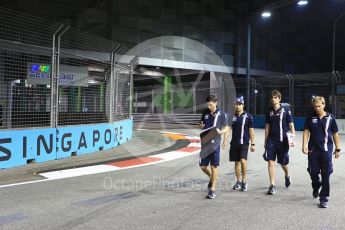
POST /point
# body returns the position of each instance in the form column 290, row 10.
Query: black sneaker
column 287, row 181
column 316, row 193
column 209, row 186
column 244, row 187
column 272, row 190
column 237, row 186
column 211, row 194
column 323, row 204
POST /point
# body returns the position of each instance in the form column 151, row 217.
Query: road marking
column 12, row 218
column 82, row 171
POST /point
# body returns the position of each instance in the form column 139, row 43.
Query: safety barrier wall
column 19, row 147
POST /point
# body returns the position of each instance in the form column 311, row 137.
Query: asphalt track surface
column 171, row 195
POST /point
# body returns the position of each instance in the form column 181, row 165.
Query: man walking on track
column 278, row 121
column 242, row 132
column 214, row 123
column 320, row 130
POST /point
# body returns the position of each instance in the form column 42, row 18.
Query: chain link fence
column 53, row 75
column 296, row 89
column 84, row 72
column 307, row 85
column 25, row 54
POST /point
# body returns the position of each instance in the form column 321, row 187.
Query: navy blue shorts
column 238, row 152
column 209, row 155
column 277, row 150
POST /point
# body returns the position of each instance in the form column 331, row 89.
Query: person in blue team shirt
column 242, row 132
column 320, row 130
column 210, row 152
column 279, row 121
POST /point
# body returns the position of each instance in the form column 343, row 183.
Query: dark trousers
column 320, row 163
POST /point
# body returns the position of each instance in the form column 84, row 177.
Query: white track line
column 82, row 171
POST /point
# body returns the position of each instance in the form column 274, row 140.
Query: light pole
column 249, row 41
column 264, row 14
column 248, row 63
column 334, row 106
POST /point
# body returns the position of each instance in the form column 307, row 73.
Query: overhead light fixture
column 302, row 2
column 96, row 69
column 92, row 81
column 266, row 14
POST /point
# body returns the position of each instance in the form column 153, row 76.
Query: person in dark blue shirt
column 320, row 130
column 213, row 117
column 242, row 132
column 279, row 121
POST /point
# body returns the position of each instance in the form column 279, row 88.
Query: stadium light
column 266, row 14
column 302, row 2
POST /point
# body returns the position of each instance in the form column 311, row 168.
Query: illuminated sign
column 39, row 71
column 37, row 68
column 68, row 75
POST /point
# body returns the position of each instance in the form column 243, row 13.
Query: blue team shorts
column 277, row 150
column 209, row 155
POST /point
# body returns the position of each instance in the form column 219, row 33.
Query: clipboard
column 208, row 135
column 290, row 138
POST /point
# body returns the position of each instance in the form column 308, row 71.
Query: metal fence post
column 112, row 75
column 116, row 90
column 136, row 101
column 132, row 64
column 292, row 94
column 54, row 95
column 194, row 100
column 131, row 67
column 10, row 104
column 254, row 95
column 153, row 101
column 222, row 93
column 249, row 31
column 337, row 105
column 171, row 101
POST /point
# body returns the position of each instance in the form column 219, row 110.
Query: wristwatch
column 337, row 150
column 252, row 144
